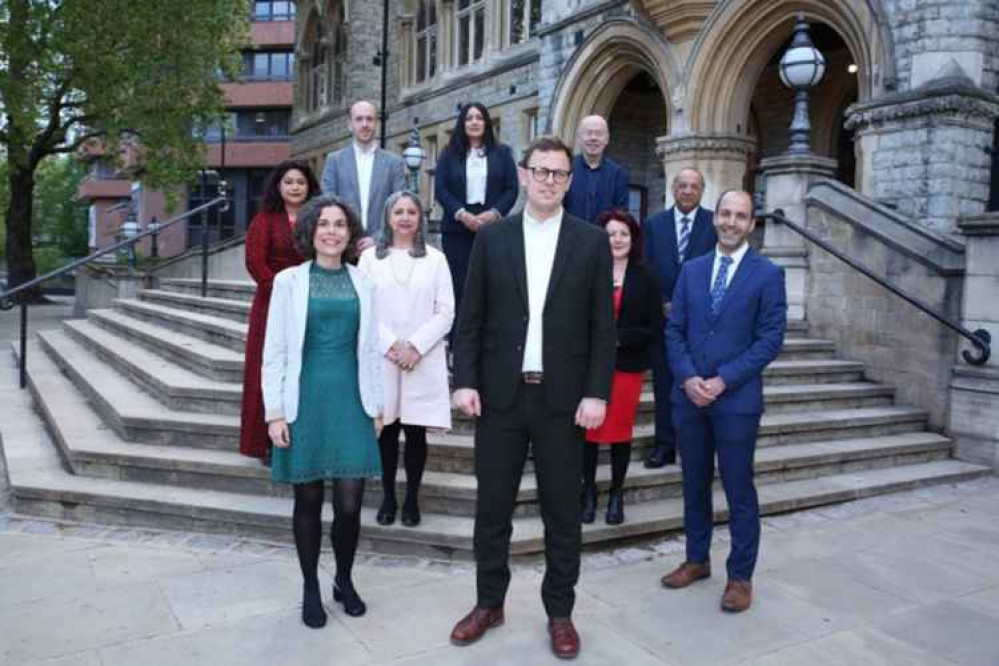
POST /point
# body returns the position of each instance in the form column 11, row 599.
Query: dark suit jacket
column 737, row 343
column 578, row 329
column 640, row 319
column 659, row 232
column 449, row 184
column 608, row 189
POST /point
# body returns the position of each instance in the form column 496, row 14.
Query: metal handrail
column 981, row 338
column 7, row 298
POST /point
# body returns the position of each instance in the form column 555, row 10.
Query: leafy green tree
column 73, row 70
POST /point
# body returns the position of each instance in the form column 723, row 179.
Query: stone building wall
column 636, row 117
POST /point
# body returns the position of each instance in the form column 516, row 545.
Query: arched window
column 322, row 60
column 426, row 41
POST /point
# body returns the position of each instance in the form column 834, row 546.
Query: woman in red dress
column 639, row 315
column 269, row 249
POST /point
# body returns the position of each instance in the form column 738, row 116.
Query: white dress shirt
column 476, row 172
column 540, row 243
column 365, row 160
column 736, row 260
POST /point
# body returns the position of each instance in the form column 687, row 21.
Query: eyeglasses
column 541, row 174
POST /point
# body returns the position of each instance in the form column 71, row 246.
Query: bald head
column 593, row 136
column 363, row 122
column 688, row 188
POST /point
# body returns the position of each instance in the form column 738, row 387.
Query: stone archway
column 603, row 66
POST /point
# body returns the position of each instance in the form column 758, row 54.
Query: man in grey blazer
column 363, row 174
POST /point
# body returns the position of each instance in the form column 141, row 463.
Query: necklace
column 392, row 267
column 618, row 275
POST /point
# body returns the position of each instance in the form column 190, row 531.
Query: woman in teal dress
column 322, row 392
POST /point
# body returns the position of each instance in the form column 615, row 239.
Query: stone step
column 237, row 290
column 217, row 330
column 238, row 311
column 813, row 371
column 209, row 360
column 173, row 385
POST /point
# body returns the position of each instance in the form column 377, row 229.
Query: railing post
column 204, row 240
column 24, row 342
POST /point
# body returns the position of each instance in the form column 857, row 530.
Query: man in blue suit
column 679, row 234
column 726, row 325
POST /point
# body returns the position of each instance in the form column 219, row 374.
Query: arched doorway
column 636, row 120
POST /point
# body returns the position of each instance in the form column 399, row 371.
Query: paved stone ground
column 903, row 579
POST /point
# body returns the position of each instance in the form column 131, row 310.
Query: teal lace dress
column 332, row 437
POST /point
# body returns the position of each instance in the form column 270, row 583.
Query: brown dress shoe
column 565, row 640
column 738, row 596
column 685, row 574
column 473, row 626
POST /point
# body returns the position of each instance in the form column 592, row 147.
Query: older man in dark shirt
column 598, row 182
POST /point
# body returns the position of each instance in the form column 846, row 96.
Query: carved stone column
column 722, row 158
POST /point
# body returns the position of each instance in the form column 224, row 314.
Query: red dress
column 269, row 248
column 626, row 391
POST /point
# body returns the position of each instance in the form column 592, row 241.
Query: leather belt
column 532, row 377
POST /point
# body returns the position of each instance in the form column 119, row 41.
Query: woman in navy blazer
column 476, row 184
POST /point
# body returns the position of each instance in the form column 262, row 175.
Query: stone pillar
column 788, row 178
column 974, row 389
column 722, row 158
column 925, row 152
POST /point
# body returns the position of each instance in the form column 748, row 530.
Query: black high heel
column 313, row 613
column 615, row 507
column 411, row 514
column 353, row 605
column 588, row 510
column 386, row 512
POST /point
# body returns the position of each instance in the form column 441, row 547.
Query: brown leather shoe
column 565, row 640
column 685, row 574
column 473, row 626
column 738, row 596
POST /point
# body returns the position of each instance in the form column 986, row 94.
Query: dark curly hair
column 308, row 220
column 637, row 253
column 270, row 200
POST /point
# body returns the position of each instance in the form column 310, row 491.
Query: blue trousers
column 701, row 435
column 662, row 385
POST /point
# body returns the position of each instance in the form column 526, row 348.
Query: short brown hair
column 308, row 220
column 546, row 144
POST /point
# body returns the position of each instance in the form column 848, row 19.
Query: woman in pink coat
column 415, row 305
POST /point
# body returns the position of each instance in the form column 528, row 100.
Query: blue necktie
column 718, row 288
column 684, row 239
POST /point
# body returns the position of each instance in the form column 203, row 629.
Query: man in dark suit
column 678, row 234
column 534, row 357
column 599, row 183
column 726, row 325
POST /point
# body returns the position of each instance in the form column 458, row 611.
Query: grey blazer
column 388, row 175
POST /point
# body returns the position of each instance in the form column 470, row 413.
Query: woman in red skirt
column 269, row 249
column 639, row 315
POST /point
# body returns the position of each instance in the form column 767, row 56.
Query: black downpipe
column 383, row 61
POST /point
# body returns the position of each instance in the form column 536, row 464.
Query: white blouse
column 476, row 172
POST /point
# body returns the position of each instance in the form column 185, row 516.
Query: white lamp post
column 414, row 156
column 801, row 68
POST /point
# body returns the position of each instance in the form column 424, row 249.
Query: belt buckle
column 532, row 377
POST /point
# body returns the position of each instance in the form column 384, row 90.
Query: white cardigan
column 285, row 337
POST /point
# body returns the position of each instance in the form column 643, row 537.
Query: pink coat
column 415, row 303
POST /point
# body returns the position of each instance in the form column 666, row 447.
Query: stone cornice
column 712, row 143
column 582, row 15
column 946, row 97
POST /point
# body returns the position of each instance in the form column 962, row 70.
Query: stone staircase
column 142, row 401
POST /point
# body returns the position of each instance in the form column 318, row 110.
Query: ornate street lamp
column 801, row 68
column 130, row 229
column 414, row 156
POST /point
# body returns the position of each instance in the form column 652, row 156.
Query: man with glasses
column 534, row 357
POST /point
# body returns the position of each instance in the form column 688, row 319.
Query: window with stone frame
column 470, row 30
column 322, row 61
column 523, row 19
column 425, row 60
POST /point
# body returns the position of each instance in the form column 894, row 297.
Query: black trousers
column 502, row 441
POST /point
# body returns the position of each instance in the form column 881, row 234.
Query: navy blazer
column 611, row 191
column 502, row 186
column 659, row 233
column 737, row 343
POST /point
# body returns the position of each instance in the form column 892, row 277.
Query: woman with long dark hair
column 415, row 312
column 639, row 316
column 322, row 385
column 475, row 182
column 270, row 248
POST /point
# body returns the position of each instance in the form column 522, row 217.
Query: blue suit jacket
column 502, row 186
column 737, row 343
column 659, row 233
column 611, row 191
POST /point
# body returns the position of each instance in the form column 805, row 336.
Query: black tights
column 415, row 458
column 308, row 527
column 620, row 457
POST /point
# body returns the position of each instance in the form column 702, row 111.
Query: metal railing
column 20, row 293
column 981, row 338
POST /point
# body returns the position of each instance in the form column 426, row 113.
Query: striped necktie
column 718, row 288
column 684, row 240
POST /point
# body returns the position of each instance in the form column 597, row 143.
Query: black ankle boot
column 588, row 510
column 615, row 507
column 386, row 512
column 344, row 593
column 410, row 512
column 313, row 613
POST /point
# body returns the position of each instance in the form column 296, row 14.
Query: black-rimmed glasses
column 541, row 174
